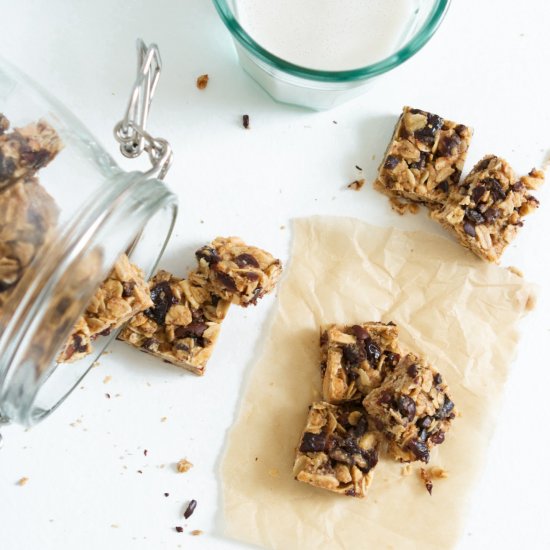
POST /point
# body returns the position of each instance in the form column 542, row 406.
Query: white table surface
column 487, row 66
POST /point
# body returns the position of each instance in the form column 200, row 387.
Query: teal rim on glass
column 405, row 52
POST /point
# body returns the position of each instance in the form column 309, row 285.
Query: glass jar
column 67, row 214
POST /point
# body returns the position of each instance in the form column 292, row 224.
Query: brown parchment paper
column 459, row 312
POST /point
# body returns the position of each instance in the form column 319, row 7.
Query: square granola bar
column 184, row 323
column 424, row 159
column 356, row 358
column 121, row 296
column 336, row 450
column 237, row 272
column 412, row 408
column 486, row 211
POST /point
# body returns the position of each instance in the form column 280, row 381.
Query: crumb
column 114, row 525
column 357, row 184
column 164, row 419
column 202, row 221
column 108, row 395
column 139, row 472
column 190, row 509
column 273, row 472
column 107, row 379
column 438, row 473
column 334, row 122
column 202, row 81
column 358, row 168
column 183, row 466
column 256, row 459
column 246, row 122
column 373, row 157
column 424, row 476
column 406, row 470
column 196, row 532
column 179, row 529
column 22, row 481
column 515, row 271
column 96, row 364
column 166, row 494
column 145, row 451
column 282, row 227
column 402, row 206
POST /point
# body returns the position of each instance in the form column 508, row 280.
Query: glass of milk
column 320, row 53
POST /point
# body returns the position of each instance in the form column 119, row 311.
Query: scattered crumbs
column 334, row 122
column 161, row 466
column 145, row 451
column 23, row 481
column 357, row 184
column 427, row 480
column 202, row 221
column 190, row 509
column 50, row 520
column 139, row 472
column 72, row 425
column 516, row 271
column 82, row 387
column 358, row 168
column 202, row 81
column 108, row 395
column 438, row 473
column 256, row 459
column 114, row 525
column 403, row 206
column 246, row 122
column 196, row 532
column 107, row 379
column 273, row 472
column 179, row 529
column 106, row 352
column 118, row 394
column 282, row 227
column 164, row 419
column 183, row 466
column 166, row 494
column 96, row 364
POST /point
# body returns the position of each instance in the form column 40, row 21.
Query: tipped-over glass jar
column 67, row 215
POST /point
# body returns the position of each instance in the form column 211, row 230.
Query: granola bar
column 183, row 324
column 121, row 296
column 25, row 150
column 28, row 215
column 356, row 358
column 486, row 211
column 412, row 408
column 336, row 450
column 237, row 272
column 424, row 159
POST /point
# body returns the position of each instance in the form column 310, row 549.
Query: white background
column 486, row 67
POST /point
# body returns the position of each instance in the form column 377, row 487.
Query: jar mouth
column 129, row 213
column 410, row 48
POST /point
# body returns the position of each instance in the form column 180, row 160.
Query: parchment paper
column 459, row 312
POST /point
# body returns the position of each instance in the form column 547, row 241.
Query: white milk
column 328, row 34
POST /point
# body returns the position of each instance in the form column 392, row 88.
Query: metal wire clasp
column 131, row 131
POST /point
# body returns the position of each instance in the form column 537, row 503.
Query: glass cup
column 287, row 82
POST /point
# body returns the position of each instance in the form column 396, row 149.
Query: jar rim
column 413, row 45
column 127, row 196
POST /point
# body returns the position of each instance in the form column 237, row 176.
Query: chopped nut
column 196, row 532
column 183, row 465
column 427, row 480
column 22, row 481
column 107, row 379
column 202, row 81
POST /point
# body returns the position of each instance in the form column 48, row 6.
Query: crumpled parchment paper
column 459, row 312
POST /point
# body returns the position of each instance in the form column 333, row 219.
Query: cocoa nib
column 406, row 406
column 478, row 192
column 474, row 216
column 443, row 186
column 391, row 162
column 246, row 260
column 246, row 122
column 208, row 254
column 190, row 509
column 313, row 443
column 192, row 330
column 226, row 281
column 163, row 299
column 469, row 229
column 419, row 449
column 448, row 145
